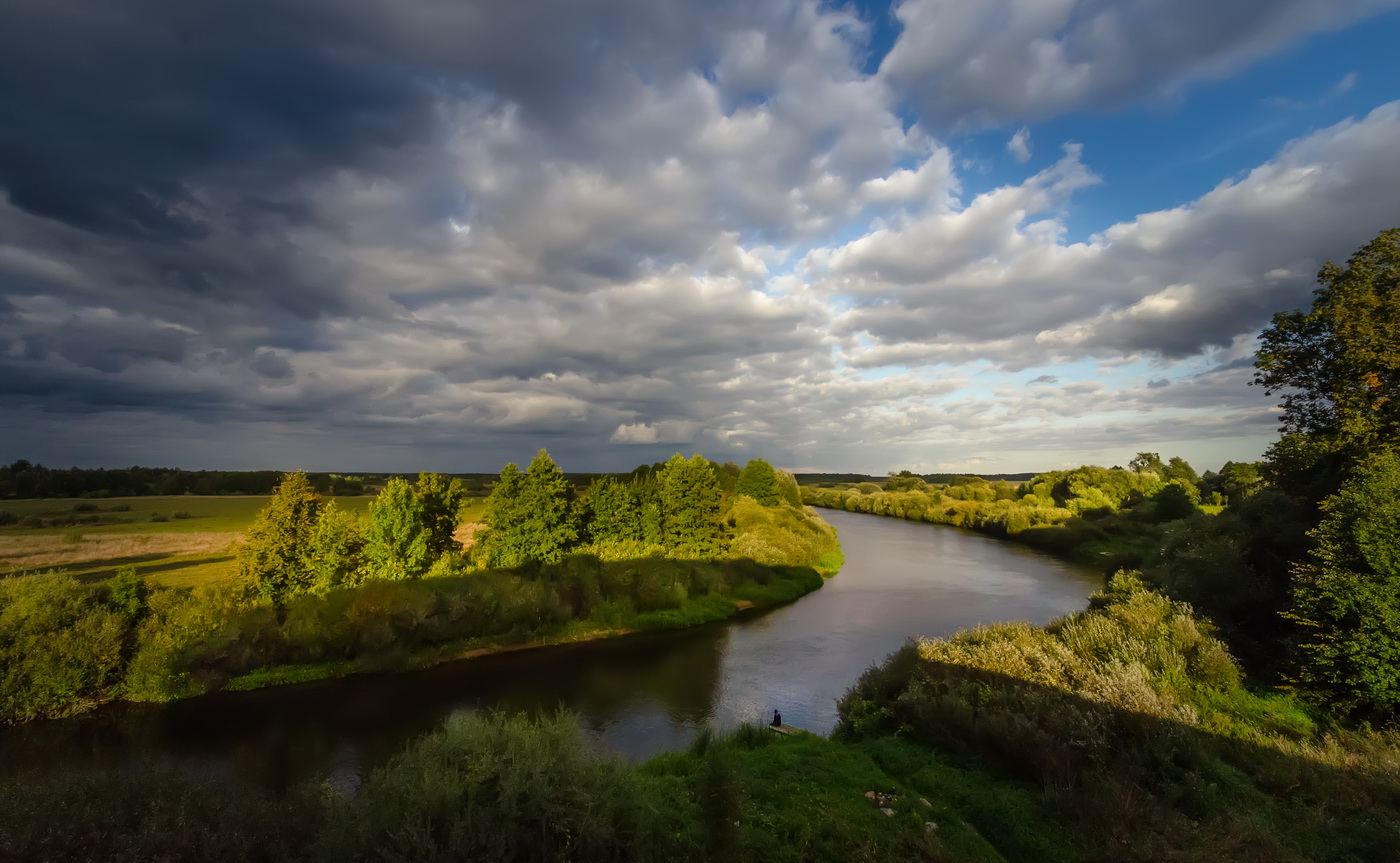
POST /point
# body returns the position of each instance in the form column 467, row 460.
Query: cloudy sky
column 439, row 234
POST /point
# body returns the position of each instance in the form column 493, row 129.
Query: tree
column 397, row 540
column 1177, row 499
column 501, row 544
column 1338, row 364
column 1178, row 468
column 690, row 506
column 550, row 526
column 441, row 499
column 1239, row 479
column 531, row 516
column 759, row 481
column 335, row 554
column 1148, row 462
column 274, row 554
column 612, row 512
column 905, row 480
column 1346, row 598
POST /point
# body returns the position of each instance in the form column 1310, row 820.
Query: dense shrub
column 499, row 788
column 60, row 647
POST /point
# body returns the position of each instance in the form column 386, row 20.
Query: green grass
column 173, row 513
column 205, row 514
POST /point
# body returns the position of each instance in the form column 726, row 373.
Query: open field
column 190, row 541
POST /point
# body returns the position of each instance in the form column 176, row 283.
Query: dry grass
column 42, row 552
column 466, row 533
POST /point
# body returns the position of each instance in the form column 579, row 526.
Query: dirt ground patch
column 466, row 533
column 39, row 552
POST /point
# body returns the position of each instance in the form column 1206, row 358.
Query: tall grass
column 1133, row 719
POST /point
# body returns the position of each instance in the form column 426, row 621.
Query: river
column 637, row 695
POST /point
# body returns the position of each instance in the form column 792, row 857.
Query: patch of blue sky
column 882, row 30
column 1168, row 152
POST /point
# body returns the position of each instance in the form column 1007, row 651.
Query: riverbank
column 693, row 612
column 1118, row 734
column 1110, row 538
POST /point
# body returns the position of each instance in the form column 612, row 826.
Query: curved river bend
column 637, row 695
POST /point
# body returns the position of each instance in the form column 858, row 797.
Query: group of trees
column 300, row 543
column 676, row 509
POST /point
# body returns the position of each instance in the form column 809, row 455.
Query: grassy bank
column 66, row 647
column 1122, row 733
column 1119, row 531
column 610, row 621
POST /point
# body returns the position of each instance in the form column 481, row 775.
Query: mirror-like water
column 636, row 695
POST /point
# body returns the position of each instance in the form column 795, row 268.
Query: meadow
column 172, row 540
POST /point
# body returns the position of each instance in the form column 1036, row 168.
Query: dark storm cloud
column 110, row 114
column 408, row 233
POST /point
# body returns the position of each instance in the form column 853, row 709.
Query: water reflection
column 637, row 696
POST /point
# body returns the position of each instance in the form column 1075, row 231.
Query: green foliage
column 137, row 816
column 499, row 788
column 189, row 639
column 612, row 513
column 273, row 556
column 531, row 516
column 60, row 647
column 441, row 501
column 1177, row 499
column 690, row 505
column 335, row 553
column 1346, row 598
column 1132, row 721
column 777, row 535
column 502, row 544
column 1148, row 462
column 788, row 489
column 398, row 539
column 906, row 480
column 1338, row 364
column 127, row 592
column 759, row 481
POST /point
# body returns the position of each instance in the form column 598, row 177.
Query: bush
column 60, row 649
column 499, row 788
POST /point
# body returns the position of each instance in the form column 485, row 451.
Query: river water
column 637, row 695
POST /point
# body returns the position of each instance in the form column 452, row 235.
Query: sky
column 375, row 235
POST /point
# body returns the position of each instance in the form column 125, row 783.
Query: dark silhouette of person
column 777, row 718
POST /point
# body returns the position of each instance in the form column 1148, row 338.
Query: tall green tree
column 1178, row 468
column 441, row 499
column 759, row 481
column 1346, row 596
column 550, row 524
column 397, row 539
column 612, row 512
column 1337, row 364
column 690, row 505
column 273, row 556
column 651, row 519
column 334, row 555
column 502, row 544
column 530, row 516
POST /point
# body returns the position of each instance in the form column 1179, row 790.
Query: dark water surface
column 637, row 695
